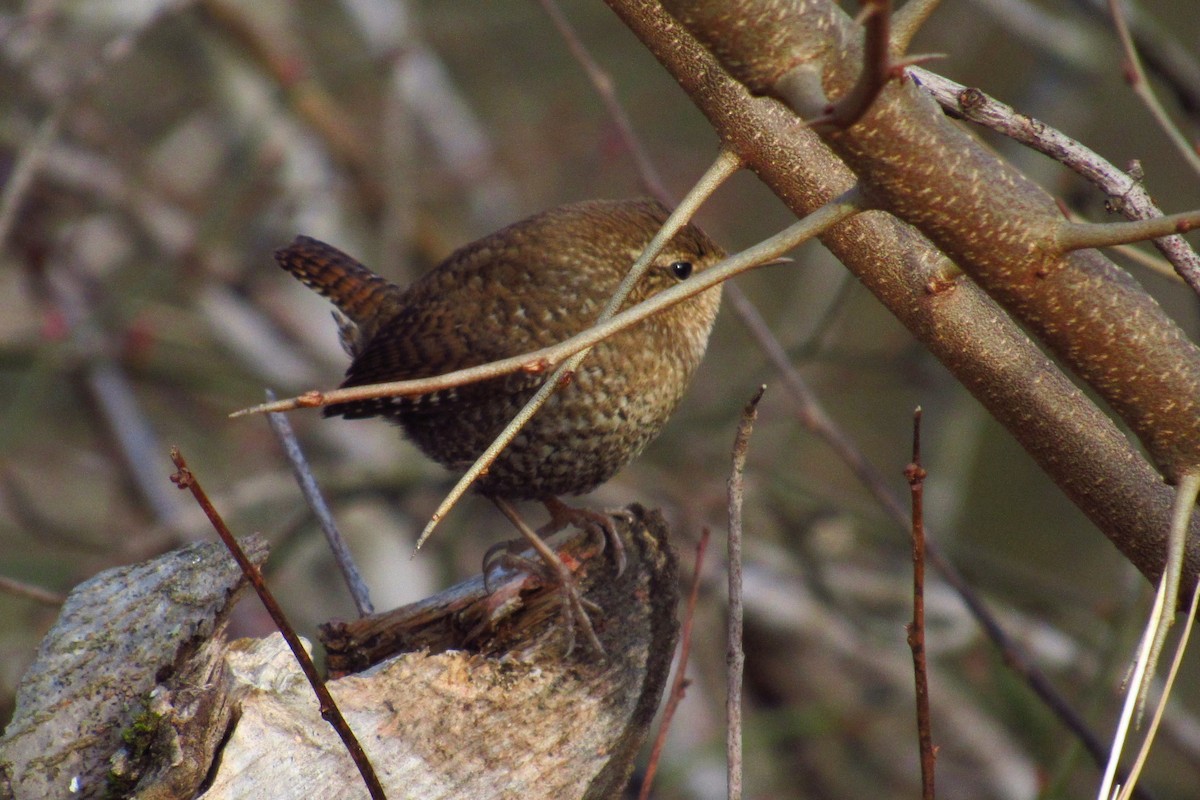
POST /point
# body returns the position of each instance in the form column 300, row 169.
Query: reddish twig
column 680, row 684
column 814, row 418
column 184, row 479
column 735, row 654
column 1136, row 78
column 915, row 474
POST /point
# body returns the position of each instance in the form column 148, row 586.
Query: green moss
column 130, row 762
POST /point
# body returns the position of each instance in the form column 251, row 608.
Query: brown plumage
column 527, row 286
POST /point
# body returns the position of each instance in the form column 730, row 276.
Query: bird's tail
column 358, row 292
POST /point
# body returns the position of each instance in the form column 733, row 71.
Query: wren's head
column 690, row 252
column 600, row 239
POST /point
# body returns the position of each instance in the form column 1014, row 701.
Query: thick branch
column 994, row 222
column 1073, row 441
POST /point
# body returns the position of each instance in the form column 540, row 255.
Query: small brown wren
column 527, row 286
column 524, row 287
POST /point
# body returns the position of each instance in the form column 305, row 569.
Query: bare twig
column 316, row 502
column 735, row 654
column 30, row 592
column 1176, row 63
column 603, row 85
column 1136, row 77
column 725, row 165
column 538, row 361
column 1186, row 490
column 915, row 474
column 184, row 479
column 1125, row 192
column 680, row 684
column 1162, row 614
column 1139, row 762
column 1081, row 235
column 817, row 421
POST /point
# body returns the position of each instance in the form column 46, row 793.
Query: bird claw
column 575, row 607
column 593, row 522
column 551, row 568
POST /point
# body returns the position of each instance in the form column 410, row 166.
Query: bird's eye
column 682, row 270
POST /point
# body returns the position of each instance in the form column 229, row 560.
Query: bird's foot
column 551, row 568
column 595, row 523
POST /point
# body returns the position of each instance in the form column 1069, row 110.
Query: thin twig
column 725, row 165
column 1144, row 752
column 1174, row 62
column 1082, row 235
column 603, row 84
column 1126, row 194
column 184, row 479
column 816, row 420
column 1186, row 491
column 1162, row 614
column 735, row 654
column 680, row 684
column 1141, row 87
column 538, row 361
column 915, row 474
column 316, row 502
column 30, row 592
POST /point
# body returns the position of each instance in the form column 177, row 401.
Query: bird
column 529, row 285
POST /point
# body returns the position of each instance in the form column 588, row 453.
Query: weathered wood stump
column 464, row 695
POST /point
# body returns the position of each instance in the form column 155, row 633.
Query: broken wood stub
column 508, row 717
